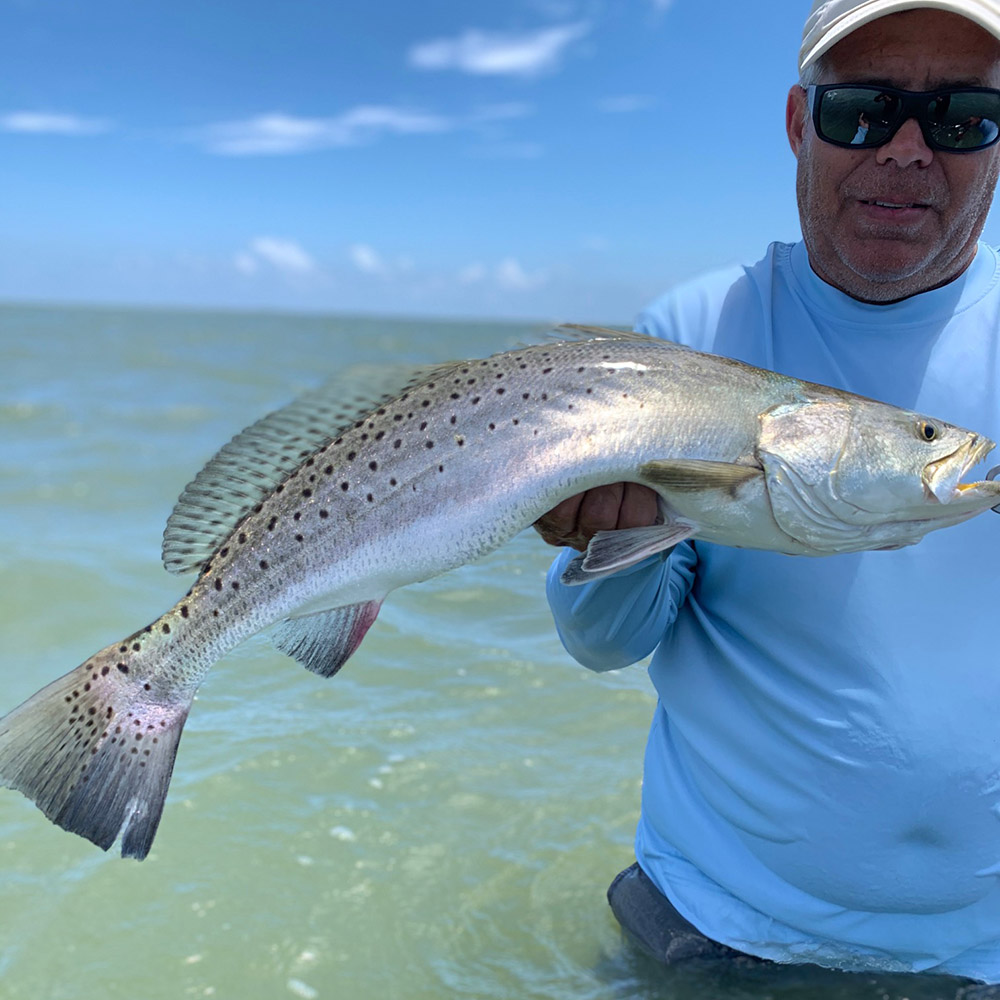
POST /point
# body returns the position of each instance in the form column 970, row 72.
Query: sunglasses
column 862, row 116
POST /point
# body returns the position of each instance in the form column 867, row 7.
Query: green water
column 440, row 820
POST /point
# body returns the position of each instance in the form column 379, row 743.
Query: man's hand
column 577, row 519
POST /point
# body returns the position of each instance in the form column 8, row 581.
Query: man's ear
column 796, row 113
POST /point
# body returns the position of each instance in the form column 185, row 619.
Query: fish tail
column 95, row 750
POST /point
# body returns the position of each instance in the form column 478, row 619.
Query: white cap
column 831, row 20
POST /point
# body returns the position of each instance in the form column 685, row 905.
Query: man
column 822, row 777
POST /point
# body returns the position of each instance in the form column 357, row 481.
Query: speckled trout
column 309, row 518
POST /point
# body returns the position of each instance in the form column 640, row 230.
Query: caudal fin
column 95, row 750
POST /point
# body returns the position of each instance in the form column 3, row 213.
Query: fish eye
column 927, row 430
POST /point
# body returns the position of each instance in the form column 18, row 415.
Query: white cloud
column 510, row 276
column 279, row 133
column 472, row 274
column 366, row 259
column 283, row 255
column 488, row 113
column 626, row 103
column 498, row 53
column 49, row 123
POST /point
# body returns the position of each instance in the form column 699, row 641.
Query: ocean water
column 441, row 819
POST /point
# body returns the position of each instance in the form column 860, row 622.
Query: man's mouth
column 880, row 203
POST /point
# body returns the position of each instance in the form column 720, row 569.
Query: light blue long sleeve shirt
column 822, row 776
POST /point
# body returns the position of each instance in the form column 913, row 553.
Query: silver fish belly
column 309, row 518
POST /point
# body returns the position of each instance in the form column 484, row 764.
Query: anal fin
column 324, row 641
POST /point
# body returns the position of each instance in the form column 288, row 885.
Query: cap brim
column 813, row 48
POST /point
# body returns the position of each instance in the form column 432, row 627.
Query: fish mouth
column 942, row 477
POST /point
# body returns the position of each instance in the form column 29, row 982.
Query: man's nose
column 907, row 147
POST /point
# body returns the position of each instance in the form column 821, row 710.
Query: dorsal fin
column 249, row 467
column 577, row 331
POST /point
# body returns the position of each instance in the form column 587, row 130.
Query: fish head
column 900, row 464
column 845, row 473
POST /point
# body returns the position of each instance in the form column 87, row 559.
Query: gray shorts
column 654, row 925
column 651, row 921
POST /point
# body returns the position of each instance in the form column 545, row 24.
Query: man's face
column 882, row 224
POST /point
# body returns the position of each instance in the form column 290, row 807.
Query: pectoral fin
column 323, row 642
column 686, row 475
column 611, row 551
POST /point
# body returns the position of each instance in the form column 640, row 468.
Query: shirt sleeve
column 616, row 621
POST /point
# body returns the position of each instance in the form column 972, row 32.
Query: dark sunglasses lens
column 964, row 120
column 857, row 116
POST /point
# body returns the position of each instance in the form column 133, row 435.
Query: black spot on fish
column 545, row 371
column 324, row 513
column 307, row 493
column 456, row 395
column 475, row 399
column 166, row 629
column 218, row 584
column 236, row 584
column 429, row 444
column 460, row 441
column 264, row 564
column 493, row 427
column 123, row 649
column 311, row 461
column 392, row 482
column 123, row 667
column 224, row 553
column 500, row 391
column 297, row 516
column 104, row 673
column 351, row 456
column 453, row 420
column 299, row 538
column 369, row 498
column 380, row 435
column 345, row 486
column 373, row 466
column 328, row 471
column 272, row 523
column 525, row 395
column 423, row 425
column 397, row 443
column 184, row 611
column 280, row 488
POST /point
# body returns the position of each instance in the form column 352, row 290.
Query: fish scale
column 308, row 519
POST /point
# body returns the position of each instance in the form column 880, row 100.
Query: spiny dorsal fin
column 249, row 467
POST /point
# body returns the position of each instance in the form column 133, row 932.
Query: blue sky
column 549, row 159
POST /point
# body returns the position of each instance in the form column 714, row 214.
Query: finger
column 558, row 526
column 638, row 507
column 599, row 510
